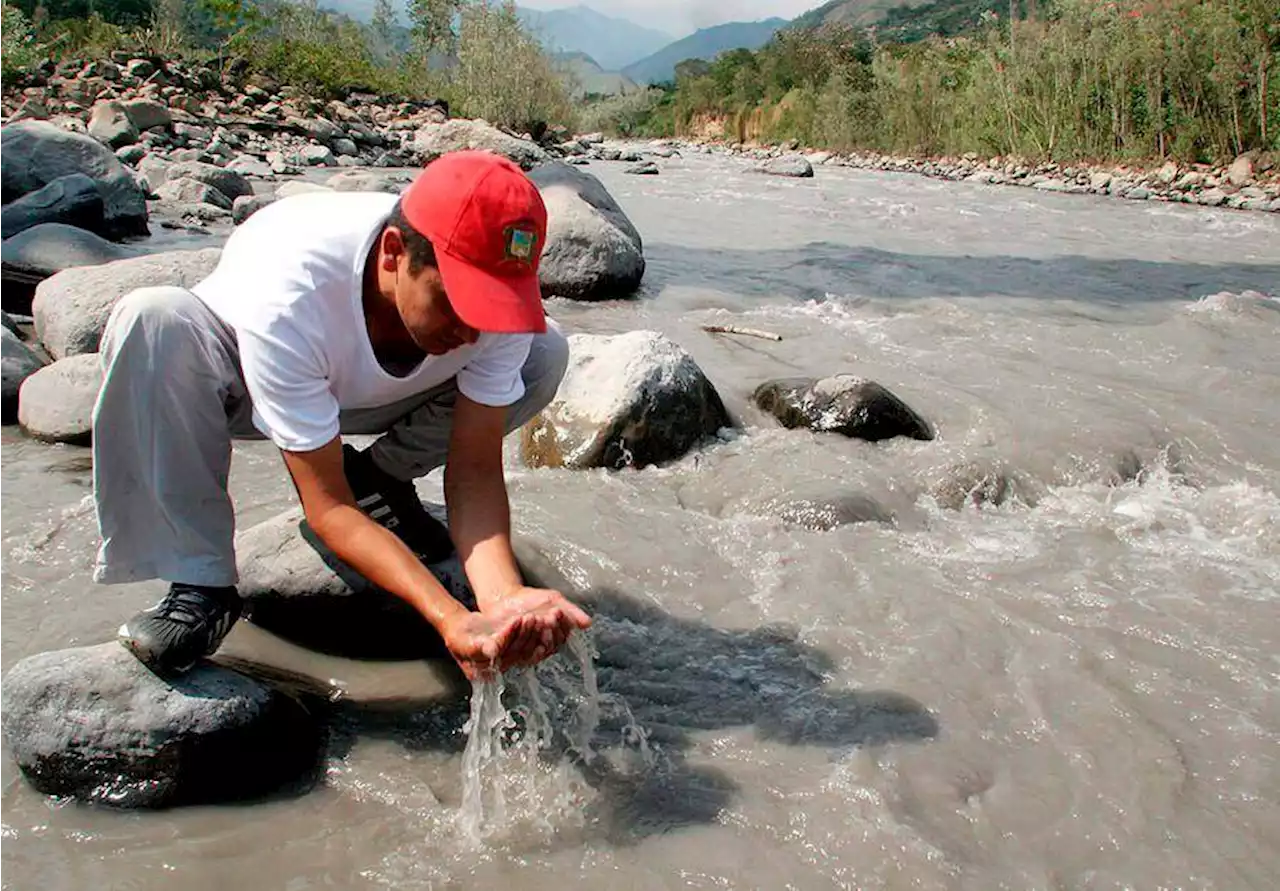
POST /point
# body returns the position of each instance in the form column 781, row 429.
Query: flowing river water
column 1043, row 654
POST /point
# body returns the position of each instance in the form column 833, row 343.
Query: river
column 1045, row 655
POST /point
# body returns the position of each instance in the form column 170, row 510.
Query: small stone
column 645, row 168
column 55, row 404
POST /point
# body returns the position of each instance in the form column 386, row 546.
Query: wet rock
column 787, row 165
column 822, row 515
column 628, row 400
column 298, row 589
column 10, row 324
column 646, row 168
column 593, row 251
column 843, row 403
column 73, row 200
column 55, row 403
column 228, row 182
column 131, row 154
column 193, row 192
column 38, row 152
column 110, row 125
column 976, row 483
column 72, row 307
column 93, row 724
column 247, row 205
column 52, row 247
column 434, row 140
column 19, row 363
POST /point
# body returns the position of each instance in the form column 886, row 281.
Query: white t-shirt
column 290, row 283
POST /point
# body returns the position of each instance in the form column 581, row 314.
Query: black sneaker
column 187, row 625
column 394, row 505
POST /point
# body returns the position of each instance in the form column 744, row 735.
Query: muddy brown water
column 1044, row 655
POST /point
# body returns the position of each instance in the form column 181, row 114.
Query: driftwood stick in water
column 748, row 332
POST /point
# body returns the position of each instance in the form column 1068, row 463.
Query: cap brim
column 500, row 304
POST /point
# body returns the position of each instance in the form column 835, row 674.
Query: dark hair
column 417, row 246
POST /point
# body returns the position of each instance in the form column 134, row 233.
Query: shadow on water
column 672, row 678
column 821, row 268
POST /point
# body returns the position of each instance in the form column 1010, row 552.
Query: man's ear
column 392, row 248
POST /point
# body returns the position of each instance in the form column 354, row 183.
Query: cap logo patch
column 520, row 244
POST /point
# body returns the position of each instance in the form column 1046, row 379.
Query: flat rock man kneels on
column 416, row 316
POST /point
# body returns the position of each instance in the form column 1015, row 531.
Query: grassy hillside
column 705, row 43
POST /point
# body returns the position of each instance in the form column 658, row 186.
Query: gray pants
column 172, row 399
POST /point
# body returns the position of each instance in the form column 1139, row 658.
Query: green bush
column 19, row 51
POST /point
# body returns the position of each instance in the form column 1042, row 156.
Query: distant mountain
column 858, row 13
column 586, row 77
column 705, row 43
column 905, row 21
column 612, row 43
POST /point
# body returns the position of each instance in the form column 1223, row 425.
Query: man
column 419, row 317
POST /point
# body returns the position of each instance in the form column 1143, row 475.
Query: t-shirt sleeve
column 492, row 377
column 293, row 405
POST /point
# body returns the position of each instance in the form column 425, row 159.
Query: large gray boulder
column 19, row 363
column 593, row 252
column 52, row 247
column 55, row 404
column 38, row 152
column 93, row 724
column 298, row 589
column 73, row 200
column 627, row 400
column 434, row 140
column 72, row 307
column 842, row 403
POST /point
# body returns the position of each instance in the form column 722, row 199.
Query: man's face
column 426, row 312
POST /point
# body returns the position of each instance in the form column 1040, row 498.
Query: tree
column 431, row 25
column 382, row 40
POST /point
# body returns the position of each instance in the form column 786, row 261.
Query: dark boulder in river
column 73, row 200
column 93, row 724
column 20, row 362
column 842, row 403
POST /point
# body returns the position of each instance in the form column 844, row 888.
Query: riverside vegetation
column 1075, row 80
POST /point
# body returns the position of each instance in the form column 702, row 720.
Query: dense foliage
column 1192, row 79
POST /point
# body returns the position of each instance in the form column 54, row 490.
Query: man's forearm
column 480, row 525
column 383, row 559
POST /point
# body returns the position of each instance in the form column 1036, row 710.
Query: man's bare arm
column 383, row 559
column 476, row 497
column 480, row 523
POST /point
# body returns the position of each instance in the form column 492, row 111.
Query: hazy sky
column 681, row 17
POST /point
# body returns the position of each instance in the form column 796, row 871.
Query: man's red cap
column 488, row 225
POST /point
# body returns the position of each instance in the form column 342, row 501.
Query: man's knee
column 548, row 361
column 161, row 312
